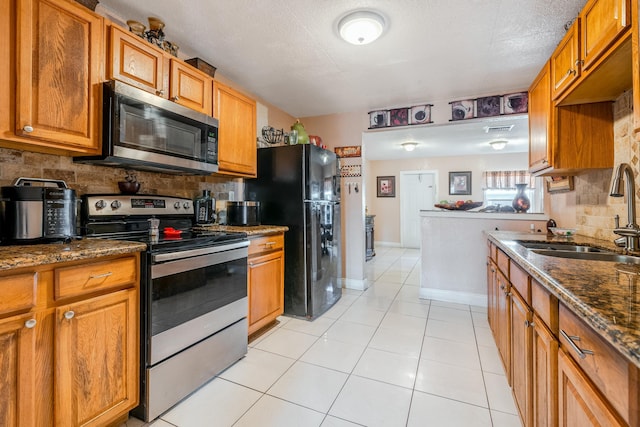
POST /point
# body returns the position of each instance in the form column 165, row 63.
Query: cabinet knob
column 69, row 314
column 28, row 129
column 31, row 323
column 160, row 92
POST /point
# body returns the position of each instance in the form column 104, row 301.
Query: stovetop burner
column 124, row 217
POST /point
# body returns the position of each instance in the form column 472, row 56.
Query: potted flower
column 130, row 185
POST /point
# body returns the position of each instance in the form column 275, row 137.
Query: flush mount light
column 409, row 146
column 498, row 144
column 361, row 27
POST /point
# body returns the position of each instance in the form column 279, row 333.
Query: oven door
column 194, row 294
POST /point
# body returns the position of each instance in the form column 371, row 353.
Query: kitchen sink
column 589, row 256
column 569, row 247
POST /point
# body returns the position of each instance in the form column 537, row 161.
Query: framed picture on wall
column 386, row 186
column 460, row 183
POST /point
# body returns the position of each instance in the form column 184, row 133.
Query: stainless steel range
column 193, row 293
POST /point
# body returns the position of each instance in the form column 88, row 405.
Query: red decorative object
column 399, row 117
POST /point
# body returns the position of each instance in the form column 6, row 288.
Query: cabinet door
column 237, row 153
column 579, row 404
column 266, row 289
column 602, row 22
column 190, row 87
column 17, row 371
column 136, row 62
column 521, row 356
column 565, row 65
column 503, row 317
column 540, row 120
column 492, row 302
column 59, row 70
column 96, row 359
column 545, row 376
column 635, row 5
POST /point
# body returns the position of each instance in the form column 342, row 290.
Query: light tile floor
column 382, row 357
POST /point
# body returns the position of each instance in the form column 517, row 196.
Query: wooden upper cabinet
column 237, row 152
column 565, row 61
column 190, row 87
column 136, row 62
column 540, row 120
column 635, row 63
column 602, row 22
column 59, row 51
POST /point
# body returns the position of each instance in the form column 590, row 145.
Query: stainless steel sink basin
column 570, row 247
column 589, row 256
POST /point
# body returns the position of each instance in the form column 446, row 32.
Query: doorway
column 417, row 192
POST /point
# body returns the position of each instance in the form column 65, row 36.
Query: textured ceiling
column 288, row 51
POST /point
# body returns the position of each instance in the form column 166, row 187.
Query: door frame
column 403, row 189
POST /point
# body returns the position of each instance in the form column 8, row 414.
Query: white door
column 417, row 192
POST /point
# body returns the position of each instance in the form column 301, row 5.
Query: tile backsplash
column 595, row 209
column 91, row 179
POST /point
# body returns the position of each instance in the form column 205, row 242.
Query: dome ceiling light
column 498, row 144
column 361, row 27
column 409, row 146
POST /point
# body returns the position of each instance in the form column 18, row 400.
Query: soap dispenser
column 205, row 208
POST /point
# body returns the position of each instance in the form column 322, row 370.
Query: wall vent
column 494, row 129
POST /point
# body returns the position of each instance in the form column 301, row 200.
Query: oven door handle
column 197, row 262
column 171, row 256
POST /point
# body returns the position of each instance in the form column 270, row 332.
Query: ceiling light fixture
column 361, row 27
column 409, row 146
column 498, row 144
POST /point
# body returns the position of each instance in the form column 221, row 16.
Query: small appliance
column 38, row 213
column 243, row 213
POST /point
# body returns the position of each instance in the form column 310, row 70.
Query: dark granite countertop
column 604, row 294
column 251, row 231
column 19, row 256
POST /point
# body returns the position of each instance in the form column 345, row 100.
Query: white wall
column 387, row 209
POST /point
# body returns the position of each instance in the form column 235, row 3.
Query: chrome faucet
column 630, row 232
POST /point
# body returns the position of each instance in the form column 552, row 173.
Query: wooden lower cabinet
column 580, row 404
column 503, row 322
column 265, row 280
column 544, row 382
column 17, row 370
column 96, row 359
column 69, row 361
column 521, row 317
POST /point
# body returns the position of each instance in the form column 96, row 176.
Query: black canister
column 205, row 208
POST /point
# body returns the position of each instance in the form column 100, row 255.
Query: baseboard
column 358, row 285
column 469, row 298
column 388, row 244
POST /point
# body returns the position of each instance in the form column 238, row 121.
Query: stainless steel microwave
column 146, row 132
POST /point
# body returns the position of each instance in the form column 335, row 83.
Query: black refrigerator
column 299, row 186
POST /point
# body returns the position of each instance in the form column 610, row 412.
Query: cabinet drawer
column 96, row 276
column 266, row 243
column 503, row 262
column 545, row 305
column 18, row 293
column 605, row 367
column 520, row 281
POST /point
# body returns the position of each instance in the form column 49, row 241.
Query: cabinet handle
column 175, row 99
column 160, row 92
column 579, row 62
column 269, row 244
column 28, row 129
column 100, row 276
column 571, row 338
column 29, row 324
column 528, row 323
column 69, row 315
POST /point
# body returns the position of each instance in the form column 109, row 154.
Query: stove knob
column 176, row 205
column 100, row 204
column 115, row 204
column 186, row 205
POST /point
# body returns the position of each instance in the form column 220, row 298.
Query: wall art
column 516, row 103
column 461, row 110
column 349, row 151
column 488, row 106
column 459, row 183
column 386, row 186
